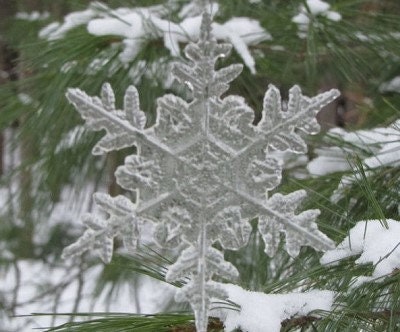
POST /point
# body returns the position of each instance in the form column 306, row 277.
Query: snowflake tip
column 205, row 28
column 108, row 97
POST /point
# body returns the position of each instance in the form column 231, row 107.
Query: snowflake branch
column 315, row 104
column 78, row 97
column 321, row 244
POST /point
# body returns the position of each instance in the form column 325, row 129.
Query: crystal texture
column 201, row 172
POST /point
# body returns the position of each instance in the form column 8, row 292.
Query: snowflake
column 201, row 172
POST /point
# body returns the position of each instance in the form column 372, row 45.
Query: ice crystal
column 201, row 172
column 100, row 233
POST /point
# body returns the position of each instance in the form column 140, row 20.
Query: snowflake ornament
column 201, row 172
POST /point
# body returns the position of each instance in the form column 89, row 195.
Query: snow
column 251, row 31
column 333, row 16
column 328, row 161
column 388, row 155
column 301, row 19
column 72, row 20
column 129, row 26
column 32, row 16
column 381, row 144
column 240, row 31
column 378, row 147
column 44, row 288
column 276, row 48
column 313, row 9
column 260, row 312
column 136, row 25
column 391, row 86
column 24, row 288
column 48, row 30
column 395, row 35
column 361, row 36
column 25, row 99
column 374, row 243
column 317, row 6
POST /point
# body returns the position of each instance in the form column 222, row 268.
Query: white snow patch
column 388, row 155
column 301, row 19
column 317, row 6
column 72, row 20
column 375, row 243
column 333, row 16
column 277, row 48
column 361, row 36
column 391, row 86
column 67, row 66
column 32, row 16
column 25, row 99
column 383, row 144
column 48, row 30
column 260, row 312
column 378, row 147
column 395, row 35
column 313, row 9
column 328, row 161
column 128, row 26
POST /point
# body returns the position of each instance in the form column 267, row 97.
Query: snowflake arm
column 121, row 127
column 120, row 220
column 300, row 229
column 277, row 215
column 279, row 126
column 200, row 288
column 189, row 259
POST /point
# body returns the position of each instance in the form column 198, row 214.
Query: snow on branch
column 260, row 312
column 377, row 147
column 374, row 243
column 309, row 12
column 137, row 25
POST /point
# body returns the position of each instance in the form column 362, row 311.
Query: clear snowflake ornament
column 201, row 172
